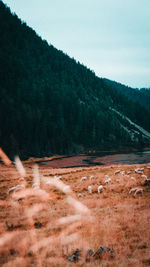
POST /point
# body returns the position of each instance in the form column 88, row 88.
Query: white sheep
column 57, row 178
column 108, row 180
column 21, row 179
column 91, row 177
column 136, row 190
column 90, row 189
column 139, row 191
column 83, row 178
column 139, row 171
column 100, row 188
column 144, row 176
column 79, row 195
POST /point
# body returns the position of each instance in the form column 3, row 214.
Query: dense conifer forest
column 138, row 95
column 50, row 103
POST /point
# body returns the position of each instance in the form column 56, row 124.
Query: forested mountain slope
column 141, row 96
column 49, row 103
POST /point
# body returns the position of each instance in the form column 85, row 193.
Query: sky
column 111, row 37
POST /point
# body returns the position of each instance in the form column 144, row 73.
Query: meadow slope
column 43, row 228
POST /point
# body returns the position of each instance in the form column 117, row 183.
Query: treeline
column 49, row 103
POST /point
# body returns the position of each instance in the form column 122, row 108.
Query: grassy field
column 43, row 224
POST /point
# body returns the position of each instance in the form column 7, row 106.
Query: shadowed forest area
column 50, row 103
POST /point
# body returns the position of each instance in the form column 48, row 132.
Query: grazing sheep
column 83, row 178
column 79, row 195
column 57, row 178
column 108, row 180
column 90, row 189
column 144, row 176
column 139, row 171
column 128, row 172
column 122, row 172
column 136, row 190
column 21, row 179
column 139, row 191
column 100, row 188
column 91, row 177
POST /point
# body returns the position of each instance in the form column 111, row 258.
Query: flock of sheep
column 108, row 180
column 37, row 179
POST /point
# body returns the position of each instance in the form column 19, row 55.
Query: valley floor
column 44, row 228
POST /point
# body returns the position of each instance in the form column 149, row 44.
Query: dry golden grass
column 42, row 226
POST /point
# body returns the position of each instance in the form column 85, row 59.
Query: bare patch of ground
column 101, row 158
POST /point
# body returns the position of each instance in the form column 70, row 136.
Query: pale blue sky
column 111, row 37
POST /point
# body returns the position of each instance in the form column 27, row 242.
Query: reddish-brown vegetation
column 36, row 228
